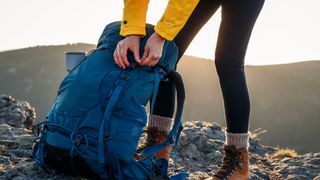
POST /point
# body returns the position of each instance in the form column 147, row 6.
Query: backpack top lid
column 110, row 38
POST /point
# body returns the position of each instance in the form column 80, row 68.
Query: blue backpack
column 98, row 116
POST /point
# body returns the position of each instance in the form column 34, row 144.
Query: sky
column 286, row 30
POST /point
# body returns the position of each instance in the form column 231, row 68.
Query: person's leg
column 238, row 19
column 164, row 105
column 160, row 122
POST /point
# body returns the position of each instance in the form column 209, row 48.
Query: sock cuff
column 240, row 140
column 160, row 122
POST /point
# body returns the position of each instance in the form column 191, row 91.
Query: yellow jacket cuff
column 175, row 17
column 134, row 17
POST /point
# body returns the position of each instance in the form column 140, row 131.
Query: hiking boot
column 154, row 136
column 157, row 133
column 235, row 165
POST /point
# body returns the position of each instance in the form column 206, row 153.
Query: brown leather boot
column 235, row 165
column 157, row 133
column 154, row 136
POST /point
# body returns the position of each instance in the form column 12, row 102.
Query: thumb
column 136, row 54
column 145, row 53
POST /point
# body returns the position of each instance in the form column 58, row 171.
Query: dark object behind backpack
column 98, row 116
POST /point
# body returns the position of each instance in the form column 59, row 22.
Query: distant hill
column 285, row 99
column 35, row 73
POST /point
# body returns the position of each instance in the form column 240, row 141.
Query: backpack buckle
column 125, row 76
column 132, row 66
column 107, row 137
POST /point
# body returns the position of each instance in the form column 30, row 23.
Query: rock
column 199, row 152
column 16, row 113
column 317, row 178
column 297, row 177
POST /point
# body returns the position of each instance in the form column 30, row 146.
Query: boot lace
column 153, row 138
column 231, row 162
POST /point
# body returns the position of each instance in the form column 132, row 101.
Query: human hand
column 152, row 50
column 130, row 42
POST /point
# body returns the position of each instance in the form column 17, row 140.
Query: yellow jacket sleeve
column 134, row 17
column 175, row 17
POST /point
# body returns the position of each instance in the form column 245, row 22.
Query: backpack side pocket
column 126, row 132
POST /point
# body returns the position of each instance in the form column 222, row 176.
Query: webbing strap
column 114, row 166
column 154, row 95
column 177, row 127
column 106, row 120
column 180, row 176
column 163, row 165
column 40, row 158
column 38, row 151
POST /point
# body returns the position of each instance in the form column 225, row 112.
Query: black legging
column 238, row 19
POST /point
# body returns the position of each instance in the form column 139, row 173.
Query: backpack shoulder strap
column 174, row 134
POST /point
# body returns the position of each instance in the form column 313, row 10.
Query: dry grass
column 254, row 134
column 282, row 153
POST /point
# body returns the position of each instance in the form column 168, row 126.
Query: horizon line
column 190, row 55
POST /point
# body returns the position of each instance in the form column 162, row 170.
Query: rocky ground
column 199, row 153
column 16, row 113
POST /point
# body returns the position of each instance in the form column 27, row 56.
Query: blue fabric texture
column 99, row 112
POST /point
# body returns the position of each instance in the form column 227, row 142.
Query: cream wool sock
column 161, row 123
column 240, row 140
